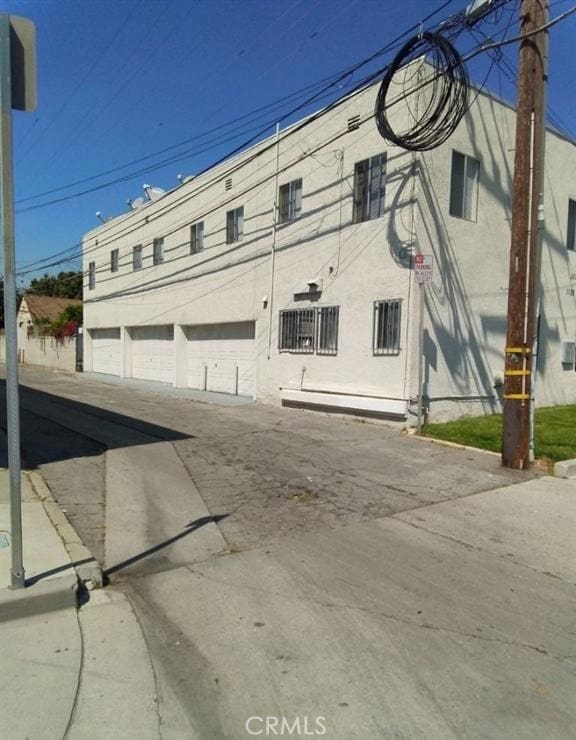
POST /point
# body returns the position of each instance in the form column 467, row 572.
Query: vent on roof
column 354, row 123
column 228, row 184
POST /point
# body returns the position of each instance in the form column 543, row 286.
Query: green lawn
column 555, row 432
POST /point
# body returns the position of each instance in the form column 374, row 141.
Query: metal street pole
column 7, row 219
column 528, row 163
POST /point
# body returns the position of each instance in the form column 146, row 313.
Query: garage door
column 106, row 351
column 153, row 356
column 222, row 358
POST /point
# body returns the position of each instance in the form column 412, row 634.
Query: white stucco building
column 206, row 287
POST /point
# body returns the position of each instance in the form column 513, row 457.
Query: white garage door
column 153, row 355
column 106, row 351
column 222, row 358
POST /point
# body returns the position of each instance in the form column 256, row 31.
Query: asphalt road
column 333, row 575
column 267, row 472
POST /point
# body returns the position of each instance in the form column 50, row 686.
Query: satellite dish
column 152, row 192
column 136, row 203
column 185, row 178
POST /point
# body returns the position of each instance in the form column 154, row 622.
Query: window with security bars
column 327, row 330
column 158, row 251
column 464, row 186
column 369, row 188
column 386, row 339
column 309, row 330
column 234, row 225
column 197, row 237
column 91, row 276
column 290, row 201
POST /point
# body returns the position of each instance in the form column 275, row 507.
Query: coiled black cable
column 434, row 89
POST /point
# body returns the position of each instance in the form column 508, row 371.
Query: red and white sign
column 423, row 268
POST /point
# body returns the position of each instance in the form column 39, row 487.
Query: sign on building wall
column 423, row 268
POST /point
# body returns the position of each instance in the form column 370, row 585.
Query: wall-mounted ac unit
column 568, row 353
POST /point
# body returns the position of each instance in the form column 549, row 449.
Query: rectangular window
column 158, row 251
column 91, row 276
column 234, row 225
column 571, row 235
column 114, row 260
column 464, row 186
column 290, row 201
column 386, row 339
column 327, row 334
column 137, row 257
column 369, row 188
column 197, row 237
column 309, row 330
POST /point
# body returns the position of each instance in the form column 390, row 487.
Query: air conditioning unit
column 568, row 353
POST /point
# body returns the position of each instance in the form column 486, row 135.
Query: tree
column 64, row 285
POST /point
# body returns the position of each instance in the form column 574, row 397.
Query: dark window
column 158, row 251
column 386, row 327
column 137, row 257
column 369, row 188
column 464, row 186
column 234, row 225
column 571, row 235
column 290, row 201
column 327, row 335
column 114, row 260
column 91, row 276
column 197, row 237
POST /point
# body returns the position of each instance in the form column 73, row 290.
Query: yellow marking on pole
column 518, row 350
column 517, row 396
column 517, row 372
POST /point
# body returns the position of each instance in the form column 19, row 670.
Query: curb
column 565, row 469
column 47, row 596
column 88, row 569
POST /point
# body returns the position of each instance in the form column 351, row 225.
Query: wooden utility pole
column 526, row 199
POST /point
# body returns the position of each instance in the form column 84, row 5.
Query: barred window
column 91, row 275
column 327, row 330
column 290, row 205
column 386, row 339
column 369, row 188
column 197, row 237
column 309, row 330
column 158, row 251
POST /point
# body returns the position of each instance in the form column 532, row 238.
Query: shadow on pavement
column 82, row 430
column 190, row 528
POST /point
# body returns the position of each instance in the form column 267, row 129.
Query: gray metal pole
column 7, row 221
column 421, row 359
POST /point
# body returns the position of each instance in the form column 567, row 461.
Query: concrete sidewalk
column 66, row 671
column 453, row 620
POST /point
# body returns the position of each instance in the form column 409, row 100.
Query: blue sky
column 119, row 80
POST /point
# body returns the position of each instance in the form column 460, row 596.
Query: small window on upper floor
column 197, row 237
column 464, row 186
column 158, row 251
column 290, row 201
column 369, row 188
column 114, row 260
column 91, row 276
column 137, row 257
column 235, row 225
column 571, row 232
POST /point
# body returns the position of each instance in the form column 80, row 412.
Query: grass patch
column 555, row 432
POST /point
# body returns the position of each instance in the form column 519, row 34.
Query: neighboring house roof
column 45, row 306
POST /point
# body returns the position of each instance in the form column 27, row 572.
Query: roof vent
column 228, row 184
column 354, row 123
